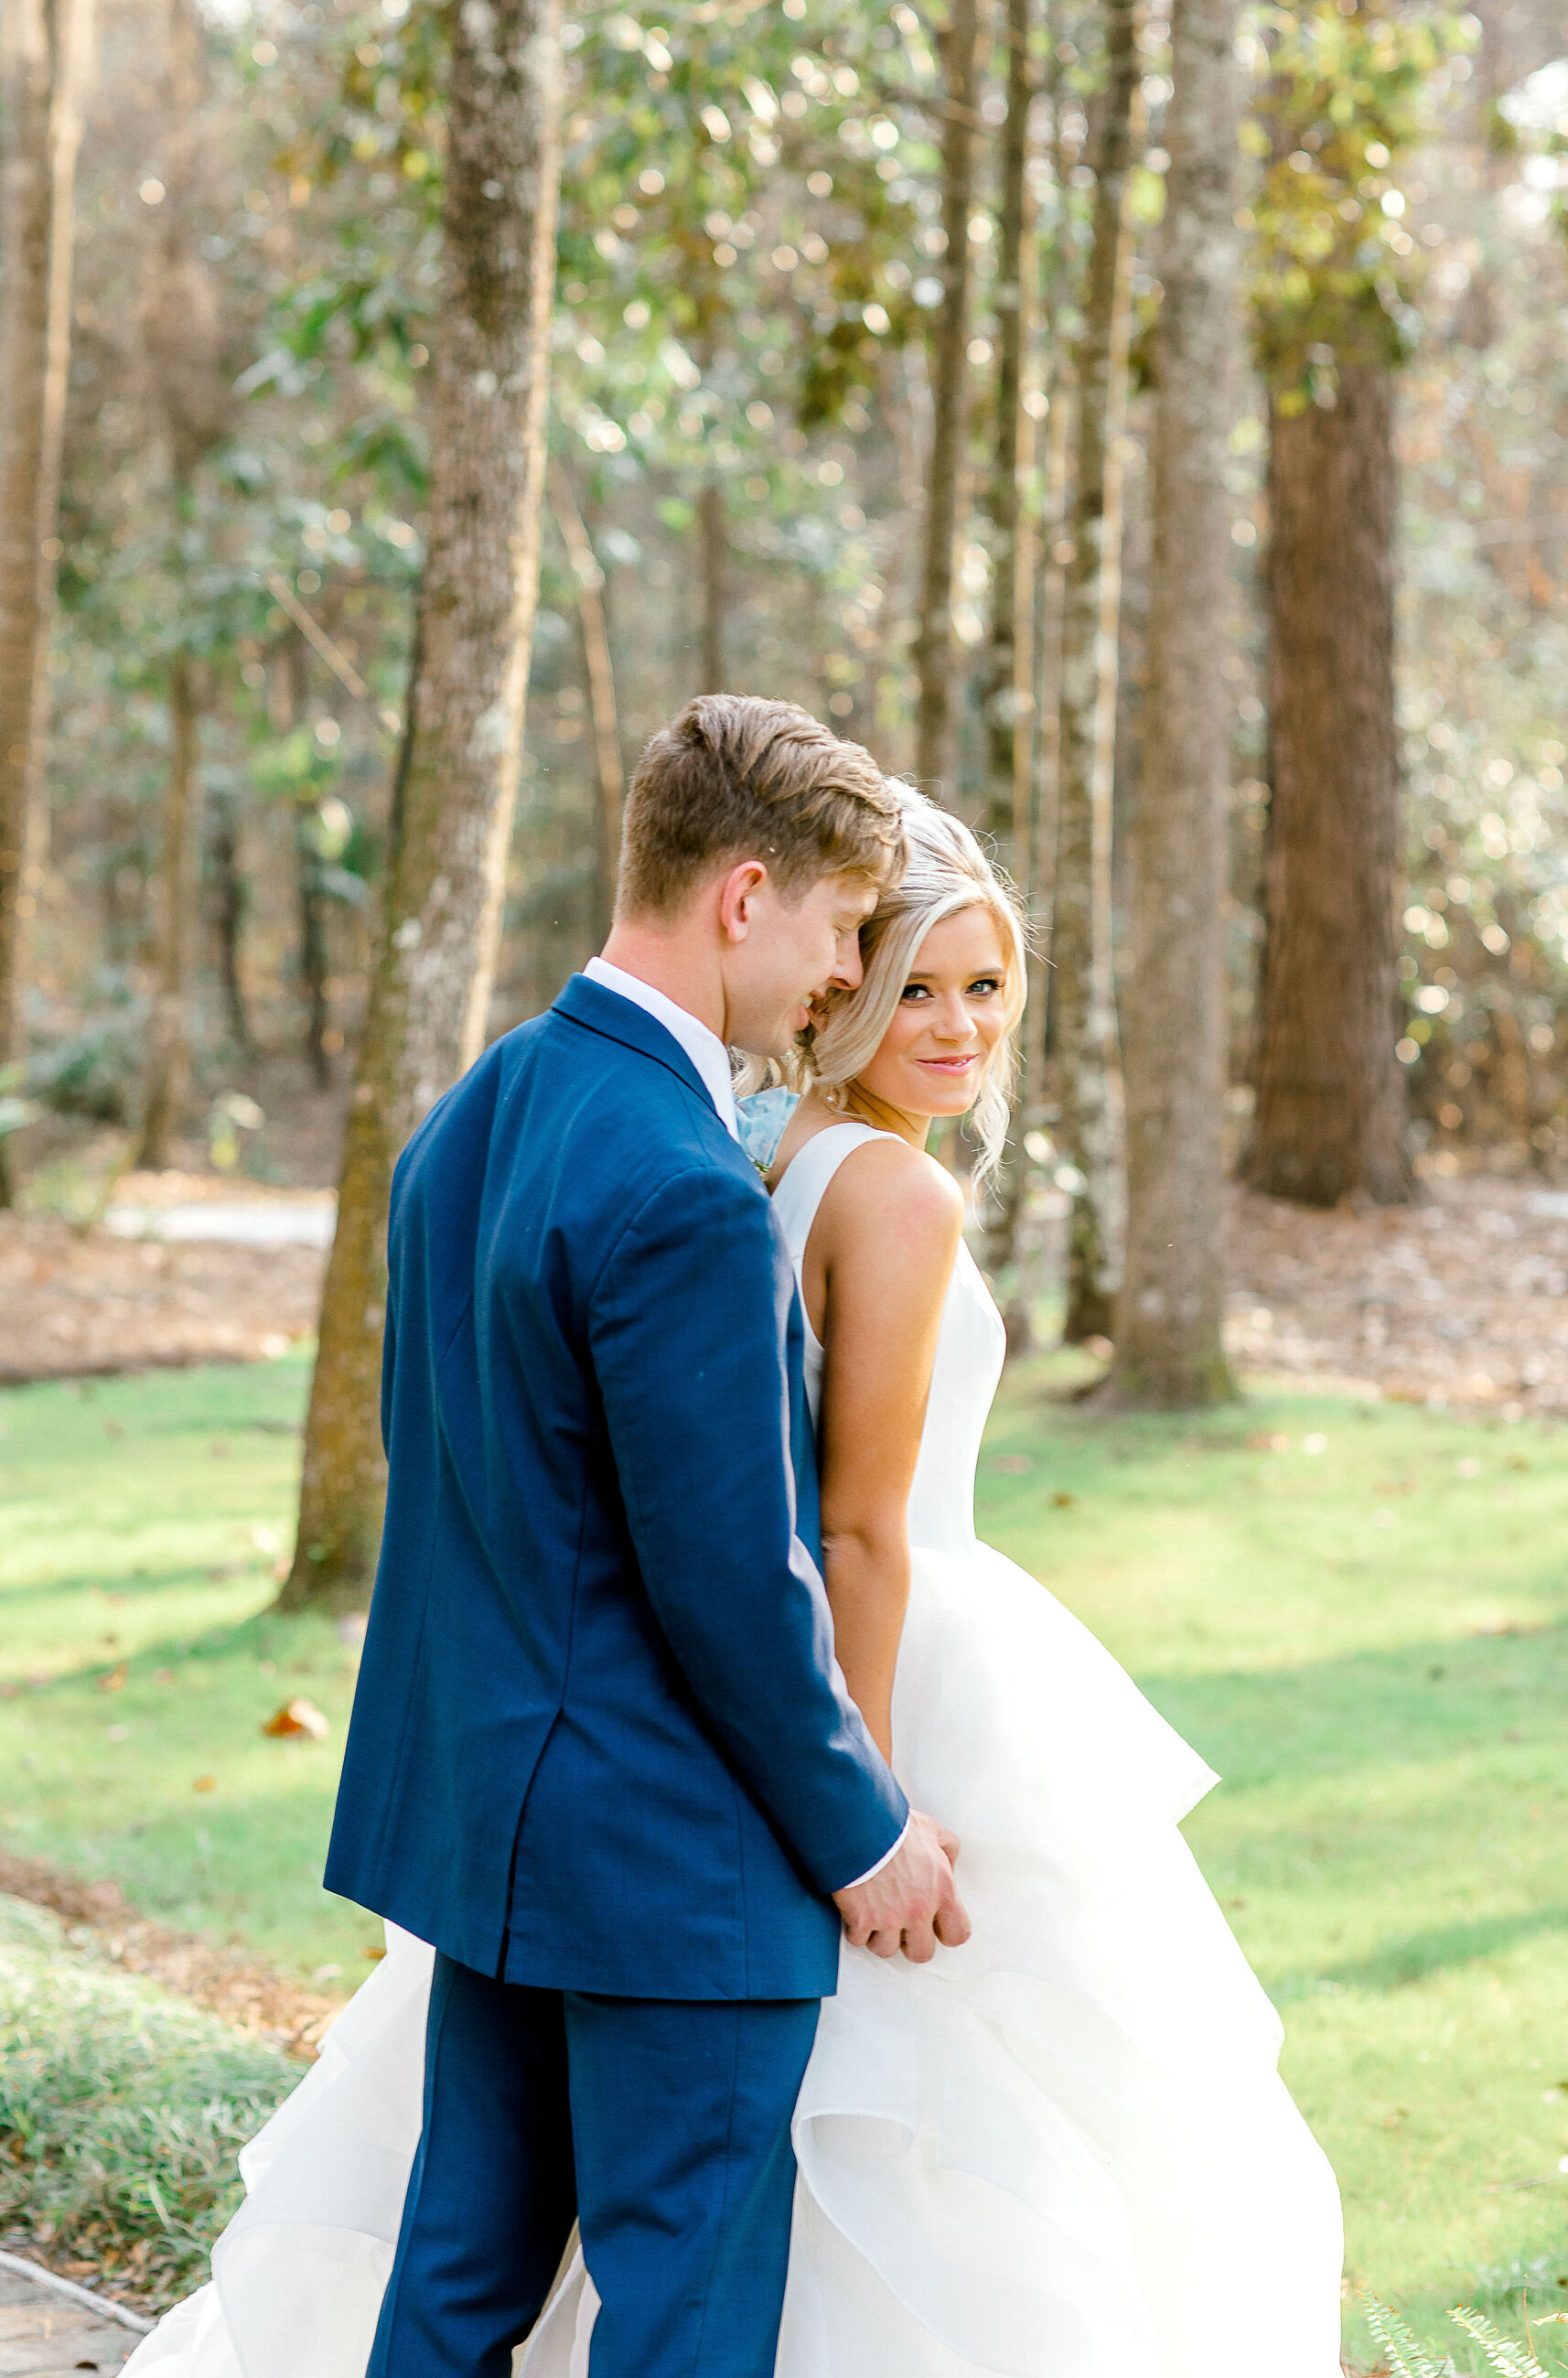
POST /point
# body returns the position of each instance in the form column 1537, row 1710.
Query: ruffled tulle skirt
column 1063, row 2151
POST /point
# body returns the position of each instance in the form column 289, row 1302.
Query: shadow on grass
column 1415, row 1702
column 129, row 1586
column 1407, row 1958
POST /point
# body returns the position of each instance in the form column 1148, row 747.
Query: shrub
column 122, row 2109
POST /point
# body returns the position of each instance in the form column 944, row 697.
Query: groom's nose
column 848, row 973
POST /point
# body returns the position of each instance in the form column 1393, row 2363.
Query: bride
column 1062, row 2151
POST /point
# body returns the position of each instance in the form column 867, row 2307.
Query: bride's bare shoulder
column 887, row 1194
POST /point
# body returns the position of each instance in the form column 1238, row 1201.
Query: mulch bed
column 81, row 1303
column 1460, row 1298
column 252, row 1997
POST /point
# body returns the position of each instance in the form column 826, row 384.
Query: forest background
column 854, row 398
column 1143, row 425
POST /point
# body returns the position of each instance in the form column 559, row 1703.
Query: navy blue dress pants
column 662, row 2126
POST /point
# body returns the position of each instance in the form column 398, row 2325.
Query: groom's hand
column 913, row 1902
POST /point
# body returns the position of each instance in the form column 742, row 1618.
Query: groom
column 601, row 1755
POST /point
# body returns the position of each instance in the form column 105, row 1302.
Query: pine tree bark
column 1169, row 1349
column 1330, row 1111
column 1036, row 841
column 1088, row 1061
column 313, row 961
column 1009, row 699
column 458, row 772
column 608, row 779
column 933, row 654
column 44, row 48
column 182, row 331
column 168, row 1077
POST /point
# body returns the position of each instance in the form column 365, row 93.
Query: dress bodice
column 970, row 1351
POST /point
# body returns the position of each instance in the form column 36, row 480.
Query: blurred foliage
column 749, row 255
column 1349, row 93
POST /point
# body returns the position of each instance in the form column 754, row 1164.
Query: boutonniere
column 761, row 1119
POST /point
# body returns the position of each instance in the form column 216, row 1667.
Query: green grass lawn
column 140, row 1520
column 1369, row 1641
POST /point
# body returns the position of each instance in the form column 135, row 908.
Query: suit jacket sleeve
column 687, row 1332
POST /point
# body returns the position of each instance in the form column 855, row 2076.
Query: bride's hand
column 913, row 1902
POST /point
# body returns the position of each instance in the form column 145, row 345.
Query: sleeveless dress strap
column 805, row 1183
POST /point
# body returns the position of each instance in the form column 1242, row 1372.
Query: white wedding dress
column 1062, row 2151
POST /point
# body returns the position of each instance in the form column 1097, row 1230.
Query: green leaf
column 1510, row 2361
column 1406, row 2357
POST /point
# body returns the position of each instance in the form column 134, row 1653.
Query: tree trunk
column 1091, row 1133
column 232, row 905
column 314, row 962
column 1008, row 705
column 1169, row 1347
column 43, row 57
column 167, row 1081
column 292, row 683
column 1035, row 830
column 714, row 544
column 458, row 773
column 184, row 337
column 1331, row 1100
column 1008, row 698
column 933, row 649
column 609, row 782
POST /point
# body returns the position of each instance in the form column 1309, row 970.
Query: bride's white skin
column 876, row 1274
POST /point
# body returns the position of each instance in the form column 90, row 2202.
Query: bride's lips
column 946, row 1064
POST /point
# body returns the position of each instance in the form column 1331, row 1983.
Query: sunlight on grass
column 1357, row 1612
column 141, row 1665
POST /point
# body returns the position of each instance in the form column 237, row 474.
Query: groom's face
column 791, row 951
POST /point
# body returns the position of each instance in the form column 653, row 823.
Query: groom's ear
column 738, row 898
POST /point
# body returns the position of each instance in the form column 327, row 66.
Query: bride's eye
column 985, row 986
column 913, row 990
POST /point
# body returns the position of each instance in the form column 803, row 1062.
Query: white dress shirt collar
column 704, row 1048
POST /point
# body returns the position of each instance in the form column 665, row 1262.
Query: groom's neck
column 679, row 959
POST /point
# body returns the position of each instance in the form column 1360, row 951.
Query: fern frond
column 1408, row 2357
column 1508, row 2359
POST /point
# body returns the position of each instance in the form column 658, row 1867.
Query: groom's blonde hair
column 735, row 777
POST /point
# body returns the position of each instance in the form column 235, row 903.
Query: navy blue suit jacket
column 600, row 1740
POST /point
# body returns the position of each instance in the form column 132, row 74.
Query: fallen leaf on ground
column 114, row 1681
column 205, row 1784
column 296, row 1717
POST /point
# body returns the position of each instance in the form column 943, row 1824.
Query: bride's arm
column 880, row 1256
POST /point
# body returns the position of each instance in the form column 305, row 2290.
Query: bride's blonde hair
column 948, row 871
